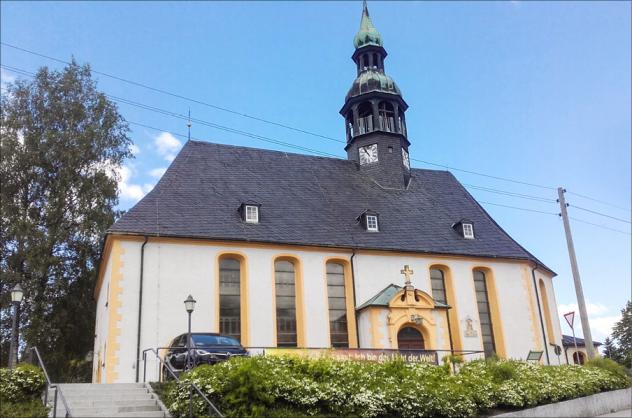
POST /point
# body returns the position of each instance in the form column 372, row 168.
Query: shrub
column 20, row 389
column 294, row 386
column 610, row 365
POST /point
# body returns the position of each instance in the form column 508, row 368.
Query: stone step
column 96, row 392
column 103, row 385
column 97, row 403
column 112, row 410
column 100, row 388
column 143, row 414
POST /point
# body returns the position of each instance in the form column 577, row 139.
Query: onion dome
column 368, row 34
column 373, row 80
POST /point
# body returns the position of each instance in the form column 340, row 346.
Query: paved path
column 624, row 413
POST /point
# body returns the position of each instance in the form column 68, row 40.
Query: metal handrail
column 50, row 385
column 192, row 386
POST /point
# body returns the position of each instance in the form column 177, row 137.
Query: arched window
column 402, row 123
column 375, row 62
column 387, row 116
column 579, row 357
column 350, row 133
column 438, row 286
column 484, row 313
column 365, row 118
column 338, row 323
column 285, row 289
column 230, row 297
column 547, row 312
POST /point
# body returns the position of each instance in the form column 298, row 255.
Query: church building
column 291, row 250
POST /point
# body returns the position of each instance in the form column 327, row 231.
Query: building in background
column 290, row 250
column 579, row 355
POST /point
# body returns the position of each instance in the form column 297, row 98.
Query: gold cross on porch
column 407, row 272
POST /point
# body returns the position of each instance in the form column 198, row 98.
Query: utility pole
column 581, row 303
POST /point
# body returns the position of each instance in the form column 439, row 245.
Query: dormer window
column 465, row 228
column 249, row 212
column 371, row 223
column 252, row 214
column 468, row 231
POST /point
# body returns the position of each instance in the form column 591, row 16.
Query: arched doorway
column 409, row 338
column 579, row 357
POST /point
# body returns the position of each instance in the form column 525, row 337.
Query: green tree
column 622, row 335
column 610, row 350
column 61, row 143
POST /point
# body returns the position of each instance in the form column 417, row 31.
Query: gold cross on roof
column 407, row 272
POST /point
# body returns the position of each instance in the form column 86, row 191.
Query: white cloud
column 134, row 149
column 157, row 172
column 600, row 322
column 147, row 187
column 591, row 308
column 128, row 190
column 167, row 145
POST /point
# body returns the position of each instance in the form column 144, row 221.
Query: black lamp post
column 16, row 298
column 189, row 304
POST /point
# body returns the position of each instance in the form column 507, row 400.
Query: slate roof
column 308, row 200
column 567, row 341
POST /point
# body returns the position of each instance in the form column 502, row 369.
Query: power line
column 270, row 122
column 519, row 208
column 600, row 214
column 179, row 96
column 598, row 200
column 301, row 148
column 508, row 193
column 200, row 121
column 600, row 226
column 485, row 175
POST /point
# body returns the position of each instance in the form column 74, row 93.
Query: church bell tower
column 374, row 113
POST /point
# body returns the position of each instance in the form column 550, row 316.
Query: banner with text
column 379, row 355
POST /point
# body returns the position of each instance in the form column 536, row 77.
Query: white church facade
column 291, row 250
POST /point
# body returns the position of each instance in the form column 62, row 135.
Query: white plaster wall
column 364, row 328
column 175, row 270
column 555, row 318
column 101, row 325
column 374, row 272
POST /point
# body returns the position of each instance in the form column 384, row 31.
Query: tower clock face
column 406, row 158
column 368, row 154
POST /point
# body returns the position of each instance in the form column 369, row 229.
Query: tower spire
column 367, row 34
column 374, row 113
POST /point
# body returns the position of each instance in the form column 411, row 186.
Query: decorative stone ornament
column 470, row 332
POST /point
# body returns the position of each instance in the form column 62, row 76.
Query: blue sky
column 534, row 91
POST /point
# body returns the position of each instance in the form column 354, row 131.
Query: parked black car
column 206, row 348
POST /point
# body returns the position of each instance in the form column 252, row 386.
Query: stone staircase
column 109, row 400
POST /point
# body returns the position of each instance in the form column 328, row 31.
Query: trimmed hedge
column 294, row 386
column 20, row 391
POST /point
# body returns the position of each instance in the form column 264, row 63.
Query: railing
column 50, row 385
column 212, row 409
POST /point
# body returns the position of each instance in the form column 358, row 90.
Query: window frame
column 468, row 234
column 248, row 219
column 224, row 270
column 368, row 223
column 329, row 275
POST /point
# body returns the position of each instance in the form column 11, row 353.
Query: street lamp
column 16, row 298
column 189, row 305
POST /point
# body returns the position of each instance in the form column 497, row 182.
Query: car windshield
column 210, row 340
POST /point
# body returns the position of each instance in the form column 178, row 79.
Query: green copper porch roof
column 385, row 295
column 368, row 34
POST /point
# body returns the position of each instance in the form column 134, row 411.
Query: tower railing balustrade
column 387, row 123
column 365, row 125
